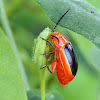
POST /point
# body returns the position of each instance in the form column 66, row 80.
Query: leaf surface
column 11, row 83
column 83, row 18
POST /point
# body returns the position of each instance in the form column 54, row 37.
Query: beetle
column 65, row 62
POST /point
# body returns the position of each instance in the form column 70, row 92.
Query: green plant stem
column 43, row 84
column 5, row 24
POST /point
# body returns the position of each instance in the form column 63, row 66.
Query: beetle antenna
column 61, row 18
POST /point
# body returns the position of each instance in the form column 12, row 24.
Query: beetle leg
column 47, row 68
column 48, row 53
column 54, row 46
column 43, row 66
column 53, row 66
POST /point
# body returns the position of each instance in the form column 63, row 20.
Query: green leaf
column 11, row 83
column 94, row 56
column 36, row 95
column 83, row 18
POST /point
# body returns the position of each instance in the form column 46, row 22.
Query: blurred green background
column 27, row 20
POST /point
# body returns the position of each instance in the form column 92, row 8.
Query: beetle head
column 59, row 40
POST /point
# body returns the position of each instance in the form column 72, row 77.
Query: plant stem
column 8, row 31
column 43, row 84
